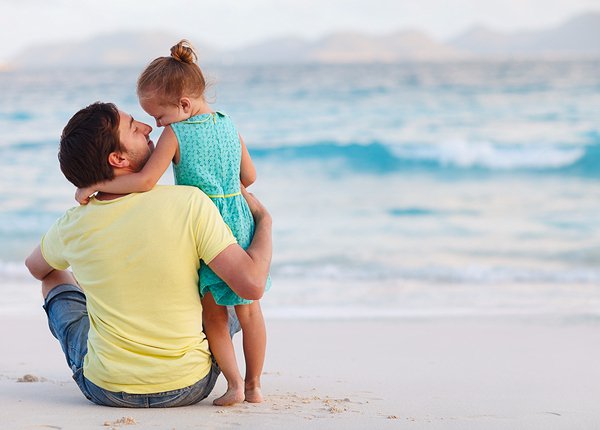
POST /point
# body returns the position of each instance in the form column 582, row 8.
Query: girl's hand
column 82, row 195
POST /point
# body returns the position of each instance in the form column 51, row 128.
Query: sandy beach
column 433, row 175
column 444, row 373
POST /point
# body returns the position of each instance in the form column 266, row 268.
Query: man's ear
column 185, row 104
column 117, row 160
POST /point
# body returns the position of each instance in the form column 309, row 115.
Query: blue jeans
column 68, row 320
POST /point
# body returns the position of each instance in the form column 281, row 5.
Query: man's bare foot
column 254, row 395
column 231, row 397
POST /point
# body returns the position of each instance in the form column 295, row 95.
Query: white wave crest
column 488, row 155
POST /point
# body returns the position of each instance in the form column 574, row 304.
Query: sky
column 235, row 23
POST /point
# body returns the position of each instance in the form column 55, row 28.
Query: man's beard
column 137, row 160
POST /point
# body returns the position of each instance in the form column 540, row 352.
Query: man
column 135, row 339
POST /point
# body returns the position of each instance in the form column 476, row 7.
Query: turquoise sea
column 412, row 190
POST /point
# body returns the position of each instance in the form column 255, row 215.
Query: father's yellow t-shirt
column 137, row 260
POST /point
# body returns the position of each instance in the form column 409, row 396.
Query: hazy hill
column 115, row 49
column 579, row 36
column 400, row 46
column 281, row 50
column 346, row 47
column 137, row 49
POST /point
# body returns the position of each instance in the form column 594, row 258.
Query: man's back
column 136, row 258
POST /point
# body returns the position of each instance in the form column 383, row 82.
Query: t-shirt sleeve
column 53, row 248
column 212, row 234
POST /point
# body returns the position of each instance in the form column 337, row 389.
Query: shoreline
column 563, row 303
column 364, row 373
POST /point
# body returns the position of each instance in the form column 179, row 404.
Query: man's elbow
column 248, row 180
column 252, row 290
column 37, row 265
column 29, row 263
column 256, row 294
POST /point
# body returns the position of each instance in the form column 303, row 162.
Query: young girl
column 207, row 152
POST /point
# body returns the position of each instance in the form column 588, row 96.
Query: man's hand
column 246, row 271
column 259, row 212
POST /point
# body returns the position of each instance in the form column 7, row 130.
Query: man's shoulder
column 175, row 189
column 176, row 192
column 71, row 214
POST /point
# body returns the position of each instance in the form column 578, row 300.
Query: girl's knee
column 212, row 312
column 249, row 311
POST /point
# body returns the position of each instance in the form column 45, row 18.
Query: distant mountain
column 115, row 49
column 579, row 36
column 137, row 49
column 283, row 50
column 396, row 47
column 346, row 47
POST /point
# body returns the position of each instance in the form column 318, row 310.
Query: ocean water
column 396, row 190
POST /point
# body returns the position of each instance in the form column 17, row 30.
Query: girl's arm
column 247, row 170
column 145, row 179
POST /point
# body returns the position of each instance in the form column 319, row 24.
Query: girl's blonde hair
column 170, row 78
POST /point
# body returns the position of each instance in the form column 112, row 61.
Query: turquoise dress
column 210, row 154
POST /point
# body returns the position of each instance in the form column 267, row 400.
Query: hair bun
column 184, row 52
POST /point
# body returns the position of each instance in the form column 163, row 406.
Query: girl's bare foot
column 254, row 395
column 231, row 397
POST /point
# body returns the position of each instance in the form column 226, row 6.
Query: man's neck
column 109, row 196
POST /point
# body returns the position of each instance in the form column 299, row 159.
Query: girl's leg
column 214, row 318
column 255, row 344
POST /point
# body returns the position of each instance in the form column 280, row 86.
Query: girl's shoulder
column 222, row 116
column 205, row 123
column 206, row 117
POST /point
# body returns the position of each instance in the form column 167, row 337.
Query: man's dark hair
column 86, row 141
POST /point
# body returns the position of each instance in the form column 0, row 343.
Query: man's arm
column 37, row 265
column 50, row 277
column 246, row 271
